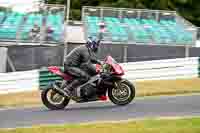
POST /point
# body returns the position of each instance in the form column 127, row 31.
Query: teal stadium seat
column 10, row 24
column 13, row 20
column 117, row 32
column 31, row 19
column 2, row 14
column 8, row 32
column 141, row 30
column 34, row 18
column 92, row 25
column 56, row 22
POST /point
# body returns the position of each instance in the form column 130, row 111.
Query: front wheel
column 123, row 93
column 53, row 100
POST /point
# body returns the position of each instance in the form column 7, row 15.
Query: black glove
column 96, row 61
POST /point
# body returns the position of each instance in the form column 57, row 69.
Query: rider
column 79, row 63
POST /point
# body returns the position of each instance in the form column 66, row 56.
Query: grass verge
column 146, row 88
column 187, row 125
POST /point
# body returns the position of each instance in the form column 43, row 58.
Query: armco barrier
column 135, row 71
column 46, row 77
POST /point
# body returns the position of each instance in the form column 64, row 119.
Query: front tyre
column 123, row 93
column 53, row 100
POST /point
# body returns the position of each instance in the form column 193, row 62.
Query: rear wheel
column 123, row 94
column 53, row 100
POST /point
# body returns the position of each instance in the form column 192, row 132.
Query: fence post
column 157, row 16
column 125, row 49
column 101, row 13
column 187, row 51
column 66, row 30
column 3, row 59
column 138, row 14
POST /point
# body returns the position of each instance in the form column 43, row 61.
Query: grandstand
column 139, row 26
column 16, row 26
column 124, row 26
column 127, row 26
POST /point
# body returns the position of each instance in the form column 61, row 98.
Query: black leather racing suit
column 79, row 63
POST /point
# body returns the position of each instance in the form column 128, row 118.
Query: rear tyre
column 50, row 104
column 122, row 95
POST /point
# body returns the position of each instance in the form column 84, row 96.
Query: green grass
column 187, row 125
column 145, row 88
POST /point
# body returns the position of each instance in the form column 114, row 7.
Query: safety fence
column 135, row 71
column 32, row 23
column 138, row 26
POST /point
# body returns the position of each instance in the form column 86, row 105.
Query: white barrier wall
column 135, row 71
column 3, row 59
column 162, row 69
column 19, row 81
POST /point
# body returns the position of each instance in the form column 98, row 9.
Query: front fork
column 116, row 85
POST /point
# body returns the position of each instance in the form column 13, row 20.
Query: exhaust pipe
column 60, row 91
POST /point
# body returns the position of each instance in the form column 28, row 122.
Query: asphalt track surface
column 106, row 111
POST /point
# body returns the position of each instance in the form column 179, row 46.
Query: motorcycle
column 107, row 83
